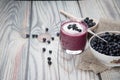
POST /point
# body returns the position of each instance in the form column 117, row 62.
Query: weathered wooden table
column 23, row 59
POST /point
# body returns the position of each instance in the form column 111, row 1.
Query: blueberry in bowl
column 107, row 53
column 92, row 23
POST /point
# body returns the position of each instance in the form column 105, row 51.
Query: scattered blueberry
column 36, row 36
column 43, row 49
column 58, row 34
column 27, row 35
column 52, row 38
column 49, row 62
column 49, row 58
column 50, row 51
column 46, row 29
column 44, row 39
column 33, row 36
column 48, row 42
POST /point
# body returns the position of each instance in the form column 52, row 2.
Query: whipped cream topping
column 71, row 31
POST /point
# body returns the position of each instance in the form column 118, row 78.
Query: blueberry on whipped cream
column 69, row 26
column 74, row 28
column 79, row 30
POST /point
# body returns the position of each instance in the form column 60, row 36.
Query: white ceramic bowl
column 111, row 61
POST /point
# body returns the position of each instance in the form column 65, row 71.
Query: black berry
column 49, row 62
column 36, row 36
column 33, row 36
column 90, row 22
column 43, row 49
column 44, row 39
column 93, row 24
column 112, row 48
column 27, row 35
column 48, row 42
column 46, row 29
column 87, row 18
column 74, row 25
column 49, row 58
column 69, row 26
column 50, row 51
column 52, row 38
column 79, row 30
column 107, row 33
column 58, row 34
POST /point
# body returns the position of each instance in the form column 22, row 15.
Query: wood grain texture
column 91, row 9
column 99, row 8
column 113, row 74
column 73, row 7
column 20, row 17
column 109, row 8
column 106, row 9
column 13, row 46
column 46, row 14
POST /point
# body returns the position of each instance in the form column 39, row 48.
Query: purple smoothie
column 76, row 41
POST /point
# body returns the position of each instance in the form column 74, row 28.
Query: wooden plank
column 113, row 74
column 73, row 7
column 68, row 61
column 109, row 8
column 98, row 9
column 113, row 10
column 116, row 7
column 13, row 46
column 106, row 9
column 45, row 14
column 91, row 9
